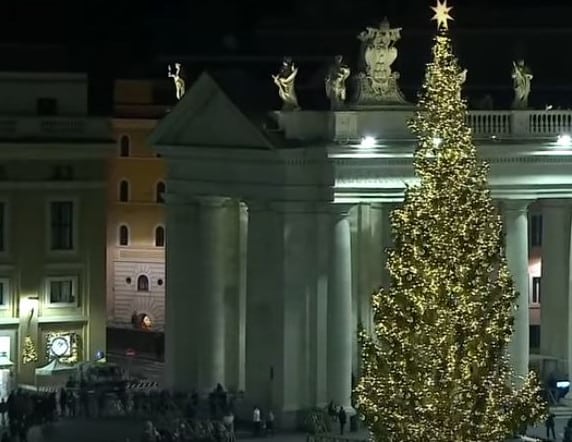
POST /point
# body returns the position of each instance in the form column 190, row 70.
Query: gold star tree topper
column 442, row 15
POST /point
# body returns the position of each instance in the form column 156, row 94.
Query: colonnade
column 294, row 344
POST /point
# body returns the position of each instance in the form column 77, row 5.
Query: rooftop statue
column 176, row 75
column 285, row 80
column 522, row 82
column 376, row 84
column 335, row 82
column 463, row 79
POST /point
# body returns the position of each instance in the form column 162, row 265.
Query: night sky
column 127, row 38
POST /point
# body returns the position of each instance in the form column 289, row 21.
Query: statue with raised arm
column 177, row 77
column 285, row 80
column 376, row 82
column 522, row 82
column 335, row 82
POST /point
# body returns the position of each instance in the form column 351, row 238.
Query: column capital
column 555, row 203
column 515, row 205
column 213, row 202
column 384, row 206
column 339, row 210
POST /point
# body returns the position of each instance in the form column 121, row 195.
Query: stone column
column 340, row 311
column 383, row 238
column 516, row 226
column 555, row 283
column 182, row 296
column 212, row 309
column 262, row 325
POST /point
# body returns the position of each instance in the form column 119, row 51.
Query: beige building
column 136, row 226
column 52, row 218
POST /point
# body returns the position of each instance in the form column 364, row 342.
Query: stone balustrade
column 77, row 128
column 392, row 124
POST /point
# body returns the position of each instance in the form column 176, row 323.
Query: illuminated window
column 124, row 146
column 123, row 235
column 142, row 283
column 536, row 289
column 160, row 192
column 123, row 191
column 160, row 236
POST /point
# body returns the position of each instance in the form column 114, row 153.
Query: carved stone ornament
column 376, row 83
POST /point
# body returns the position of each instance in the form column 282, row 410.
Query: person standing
column 256, row 422
column 550, row 426
column 342, row 417
column 270, row 423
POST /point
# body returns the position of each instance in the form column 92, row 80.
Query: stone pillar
column 212, row 308
column 383, row 238
column 282, row 285
column 263, row 325
column 242, row 269
column 182, row 296
column 555, row 284
column 340, row 311
column 516, row 226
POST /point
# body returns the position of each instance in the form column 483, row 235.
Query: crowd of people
column 168, row 417
column 24, row 409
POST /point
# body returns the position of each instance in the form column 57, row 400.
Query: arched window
column 123, row 235
column 160, row 236
column 124, row 146
column 142, row 283
column 160, row 192
column 123, row 191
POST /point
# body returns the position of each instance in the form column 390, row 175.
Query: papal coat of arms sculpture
column 375, row 83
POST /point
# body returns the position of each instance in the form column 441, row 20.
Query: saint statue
column 285, row 80
column 377, row 83
column 462, row 80
column 335, row 84
column 177, row 77
column 522, row 79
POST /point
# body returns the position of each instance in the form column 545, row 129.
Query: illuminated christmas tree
column 435, row 367
column 29, row 353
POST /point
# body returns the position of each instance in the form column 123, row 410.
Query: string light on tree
column 435, row 367
column 29, row 352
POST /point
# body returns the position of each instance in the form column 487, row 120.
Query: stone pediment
column 207, row 116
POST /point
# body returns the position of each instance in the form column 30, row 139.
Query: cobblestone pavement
column 119, row 429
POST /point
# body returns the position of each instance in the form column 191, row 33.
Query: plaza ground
column 119, row 429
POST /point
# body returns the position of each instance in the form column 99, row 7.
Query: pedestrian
column 256, row 422
column 550, row 426
column 342, row 417
column 270, row 423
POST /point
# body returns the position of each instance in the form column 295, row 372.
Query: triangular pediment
column 206, row 116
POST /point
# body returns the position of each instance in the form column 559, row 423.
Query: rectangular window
column 536, row 289
column 2, row 227
column 62, row 291
column 61, row 225
column 62, row 173
column 536, row 230
column 47, row 106
column 4, row 293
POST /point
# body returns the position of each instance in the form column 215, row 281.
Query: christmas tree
column 435, row 367
column 29, row 354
